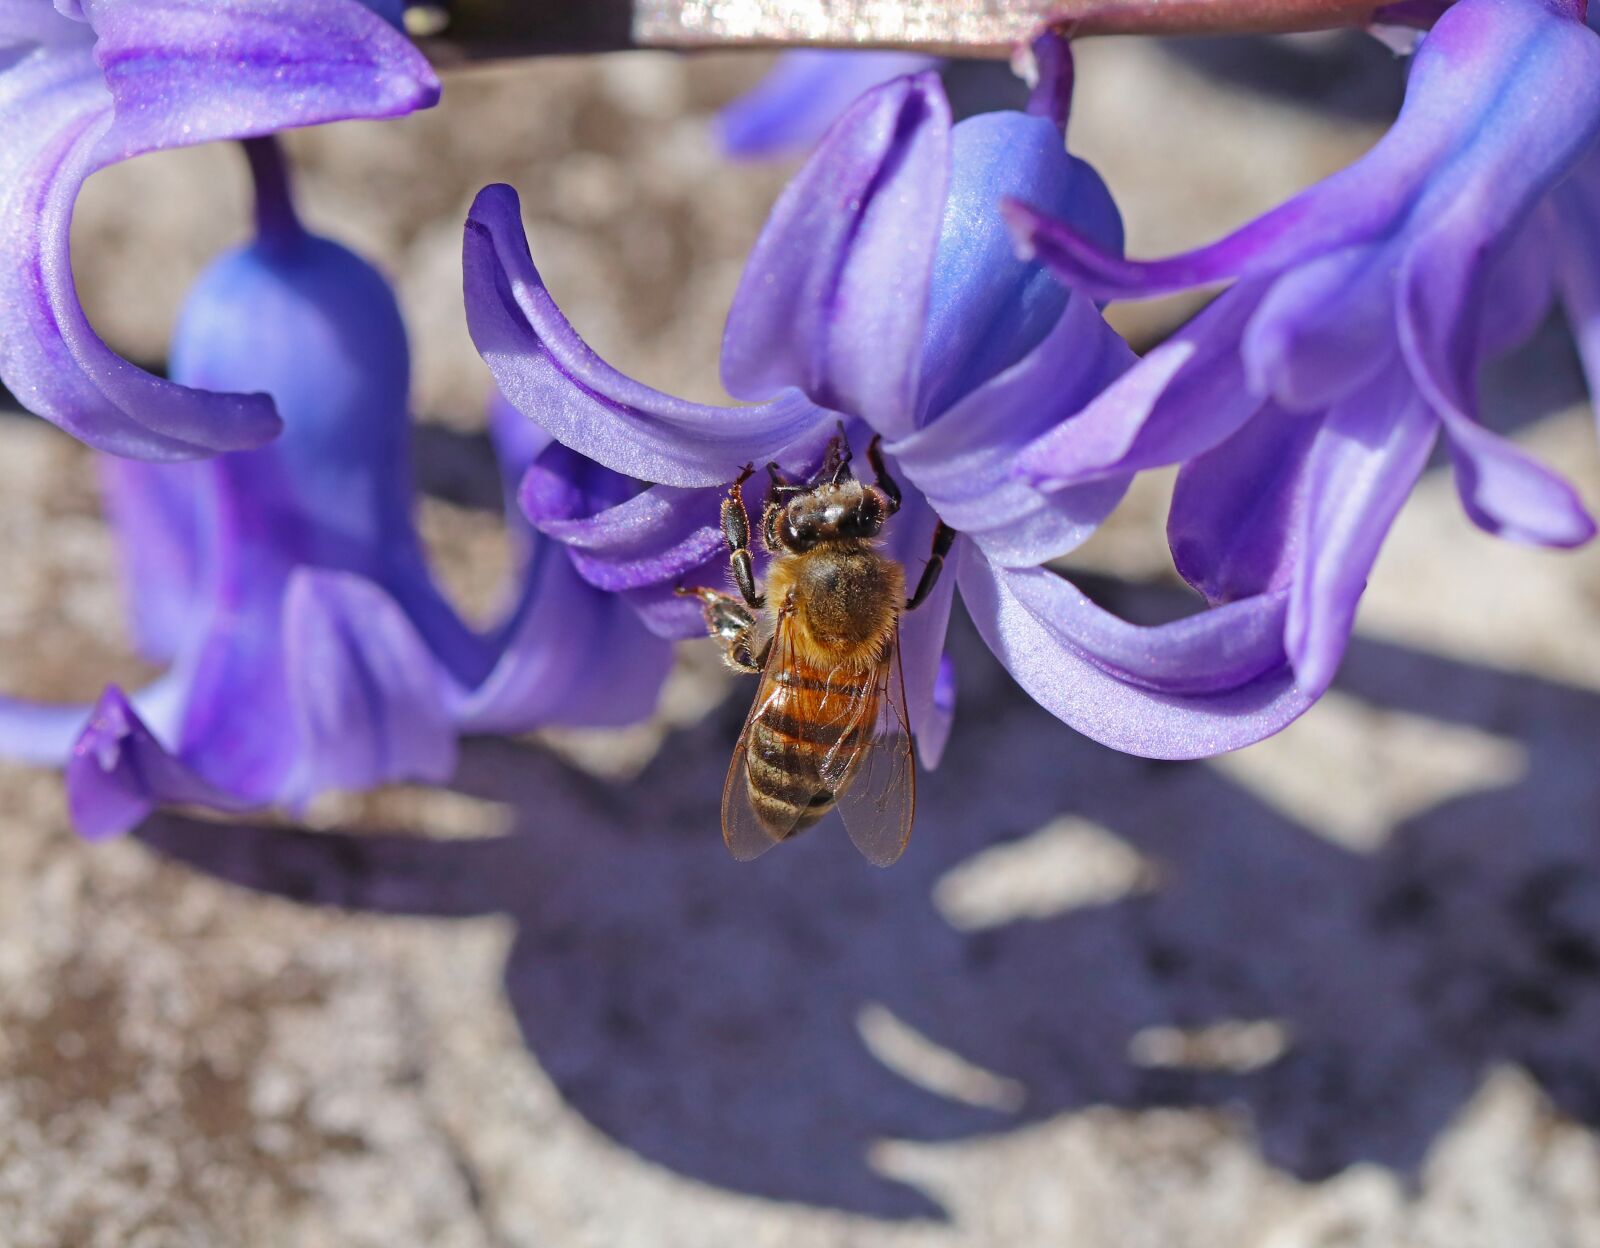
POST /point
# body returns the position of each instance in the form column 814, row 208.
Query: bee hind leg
column 943, row 538
column 732, row 625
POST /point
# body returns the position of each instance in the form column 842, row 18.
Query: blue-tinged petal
column 1367, row 456
column 315, row 326
column 366, row 699
column 986, row 308
column 965, row 460
column 1200, row 686
column 1185, row 397
column 156, row 516
column 1237, row 519
column 803, row 94
column 119, row 772
column 162, row 74
column 549, row 374
column 834, row 298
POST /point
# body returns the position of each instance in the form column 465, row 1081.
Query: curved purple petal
column 652, row 539
column 166, row 73
column 802, row 95
column 119, row 772
column 1200, row 686
column 1367, row 456
column 1237, row 519
column 834, row 298
column 1185, row 397
column 965, row 460
column 549, row 374
column 367, row 699
column 1467, row 93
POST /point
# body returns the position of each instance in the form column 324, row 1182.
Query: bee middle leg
column 736, row 533
column 732, row 625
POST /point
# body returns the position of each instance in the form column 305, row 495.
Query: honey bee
column 828, row 727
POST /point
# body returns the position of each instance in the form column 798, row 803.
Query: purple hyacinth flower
column 308, row 647
column 803, row 94
column 1304, row 401
column 884, row 292
column 87, row 83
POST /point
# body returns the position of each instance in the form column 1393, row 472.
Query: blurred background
column 1338, row 990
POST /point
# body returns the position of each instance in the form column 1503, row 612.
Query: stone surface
column 1339, row 991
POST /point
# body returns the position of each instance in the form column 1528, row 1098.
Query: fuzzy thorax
column 843, row 599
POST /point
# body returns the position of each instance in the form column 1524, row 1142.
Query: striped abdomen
column 805, row 741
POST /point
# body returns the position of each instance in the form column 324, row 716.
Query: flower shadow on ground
column 705, row 1014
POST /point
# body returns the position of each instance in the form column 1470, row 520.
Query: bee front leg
column 731, row 624
column 736, row 533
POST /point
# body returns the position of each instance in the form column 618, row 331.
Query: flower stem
column 276, row 220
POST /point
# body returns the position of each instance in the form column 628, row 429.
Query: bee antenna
column 837, row 467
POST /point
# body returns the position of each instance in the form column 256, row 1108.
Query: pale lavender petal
column 1503, row 489
column 119, row 772
column 965, row 460
column 909, row 539
column 1200, row 686
column 1185, row 397
column 1323, row 329
column 802, row 95
column 178, row 73
column 367, row 699
column 39, row 733
column 834, row 298
column 1576, row 262
column 183, row 72
column 549, row 374
column 45, row 733
column 155, row 513
column 1236, row 523
column 577, row 656
column 1367, row 457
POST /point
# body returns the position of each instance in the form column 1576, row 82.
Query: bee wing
column 876, row 782
column 745, row 835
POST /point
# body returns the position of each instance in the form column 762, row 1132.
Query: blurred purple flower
column 309, row 648
column 884, row 289
column 1304, row 402
column 805, row 93
column 88, row 83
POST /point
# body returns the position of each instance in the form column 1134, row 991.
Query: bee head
column 835, row 512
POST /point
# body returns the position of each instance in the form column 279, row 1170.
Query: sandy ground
column 1341, row 990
